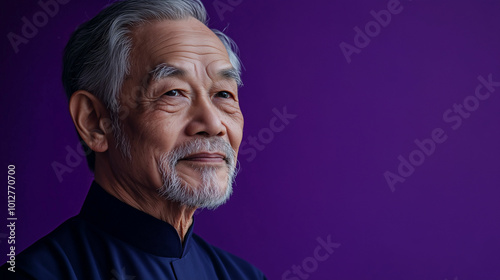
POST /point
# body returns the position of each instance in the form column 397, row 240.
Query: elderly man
column 153, row 94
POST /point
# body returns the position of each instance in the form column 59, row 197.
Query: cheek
column 235, row 130
column 154, row 134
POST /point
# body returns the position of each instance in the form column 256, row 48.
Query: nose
column 206, row 119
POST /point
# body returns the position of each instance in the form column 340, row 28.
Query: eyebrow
column 164, row 70
column 231, row 73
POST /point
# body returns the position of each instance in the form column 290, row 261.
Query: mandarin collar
column 133, row 226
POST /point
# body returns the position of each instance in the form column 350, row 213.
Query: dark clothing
column 111, row 240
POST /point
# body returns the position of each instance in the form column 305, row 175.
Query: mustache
column 198, row 145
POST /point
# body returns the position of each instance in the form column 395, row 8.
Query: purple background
column 323, row 174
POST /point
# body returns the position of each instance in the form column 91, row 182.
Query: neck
column 147, row 199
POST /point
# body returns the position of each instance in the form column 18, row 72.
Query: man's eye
column 173, row 92
column 223, row 94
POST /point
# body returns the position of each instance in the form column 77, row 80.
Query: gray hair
column 96, row 58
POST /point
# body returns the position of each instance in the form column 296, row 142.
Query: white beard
column 210, row 193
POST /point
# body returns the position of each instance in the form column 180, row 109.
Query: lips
column 206, row 157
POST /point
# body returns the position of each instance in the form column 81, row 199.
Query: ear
column 91, row 120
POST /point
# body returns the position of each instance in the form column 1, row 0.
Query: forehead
column 185, row 43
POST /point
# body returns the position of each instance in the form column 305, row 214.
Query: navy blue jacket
column 113, row 241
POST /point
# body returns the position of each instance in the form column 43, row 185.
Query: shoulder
column 49, row 257
column 233, row 265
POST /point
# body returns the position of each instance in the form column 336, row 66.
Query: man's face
column 181, row 109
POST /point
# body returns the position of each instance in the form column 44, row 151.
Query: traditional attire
column 110, row 239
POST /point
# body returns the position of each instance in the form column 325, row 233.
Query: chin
column 207, row 191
